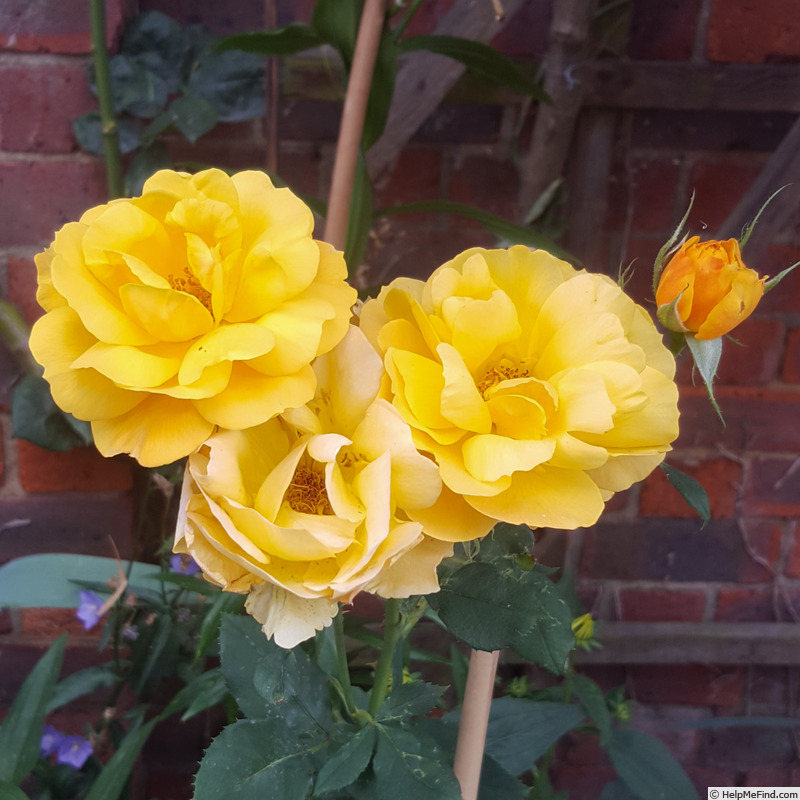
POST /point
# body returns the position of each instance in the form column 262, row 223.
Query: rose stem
column 355, row 107
column 474, row 719
column 341, row 661
column 391, row 630
column 107, row 119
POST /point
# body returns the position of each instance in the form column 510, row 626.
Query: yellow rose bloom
column 539, row 390
column 716, row 290
column 312, row 507
column 199, row 304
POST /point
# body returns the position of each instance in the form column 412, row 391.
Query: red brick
column 746, row 31
column 50, row 623
column 769, row 690
column 22, row 287
column 665, row 724
column 52, row 97
column 704, row 777
column 768, row 777
column 640, row 252
column 754, row 358
column 428, row 17
column 786, row 295
column 764, row 538
column 649, row 190
column 718, row 477
column 754, row 605
column 70, row 523
column 756, row 746
column 663, row 29
column 487, row 183
column 773, row 487
column 718, row 186
column 688, row 684
column 222, row 18
column 583, row 781
column 792, row 568
column 662, row 605
column 525, row 35
column 82, row 469
column 47, row 194
column 52, row 26
column 756, row 419
column 416, row 175
column 790, row 370
column 6, row 623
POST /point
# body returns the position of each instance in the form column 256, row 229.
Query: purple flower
column 89, row 610
column 183, row 565
column 51, row 740
column 73, row 750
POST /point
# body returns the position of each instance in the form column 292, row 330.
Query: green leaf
column 593, row 700
column 114, row 775
column 506, row 541
column 36, row 418
column 206, row 691
column 88, row 130
column 266, row 679
column 160, row 44
column 691, row 491
column 146, row 162
column 773, row 282
column 191, row 115
column 410, row 700
column 490, row 607
column 21, row 731
column 408, row 764
column 706, row 354
column 232, row 82
column 47, row 580
column 10, row 792
column 162, row 635
column 496, row 783
column 359, row 223
column 617, row 790
column 344, row 766
column 522, row 731
column 666, row 248
column 81, row 683
column 384, row 75
column 502, row 228
column 647, row 767
column 223, row 603
column 336, row 22
column 479, row 58
column 256, row 760
column 293, row 38
column 134, row 88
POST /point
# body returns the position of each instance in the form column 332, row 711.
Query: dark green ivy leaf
column 88, row 130
column 232, row 82
column 36, row 418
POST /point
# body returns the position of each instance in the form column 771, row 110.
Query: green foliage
column 174, row 77
column 648, row 768
column 503, row 601
column 706, row 354
column 36, row 418
column 691, row 491
column 359, row 222
column 21, row 731
column 480, row 59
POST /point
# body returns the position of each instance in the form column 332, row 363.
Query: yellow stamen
column 188, row 284
column 307, row 493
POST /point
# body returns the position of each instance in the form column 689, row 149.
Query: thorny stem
column 107, row 119
column 391, row 630
column 341, row 661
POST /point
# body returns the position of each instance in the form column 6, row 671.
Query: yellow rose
column 199, row 304
column 716, row 290
column 314, row 506
column 539, row 390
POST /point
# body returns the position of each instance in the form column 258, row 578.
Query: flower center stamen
column 307, row 494
column 188, row 284
column 502, row 372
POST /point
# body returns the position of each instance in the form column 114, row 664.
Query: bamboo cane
column 355, row 107
column 474, row 719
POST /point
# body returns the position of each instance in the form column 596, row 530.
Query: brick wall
column 648, row 560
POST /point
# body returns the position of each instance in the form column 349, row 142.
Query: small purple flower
column 51, row 740
column 130, row 632
column 89, row 610
column 73, row 750
column 183, row 565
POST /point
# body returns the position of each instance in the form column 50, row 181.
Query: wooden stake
column 474, row 719
column 355, row 107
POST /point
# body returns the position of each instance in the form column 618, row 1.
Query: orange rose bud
column 716, row 290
